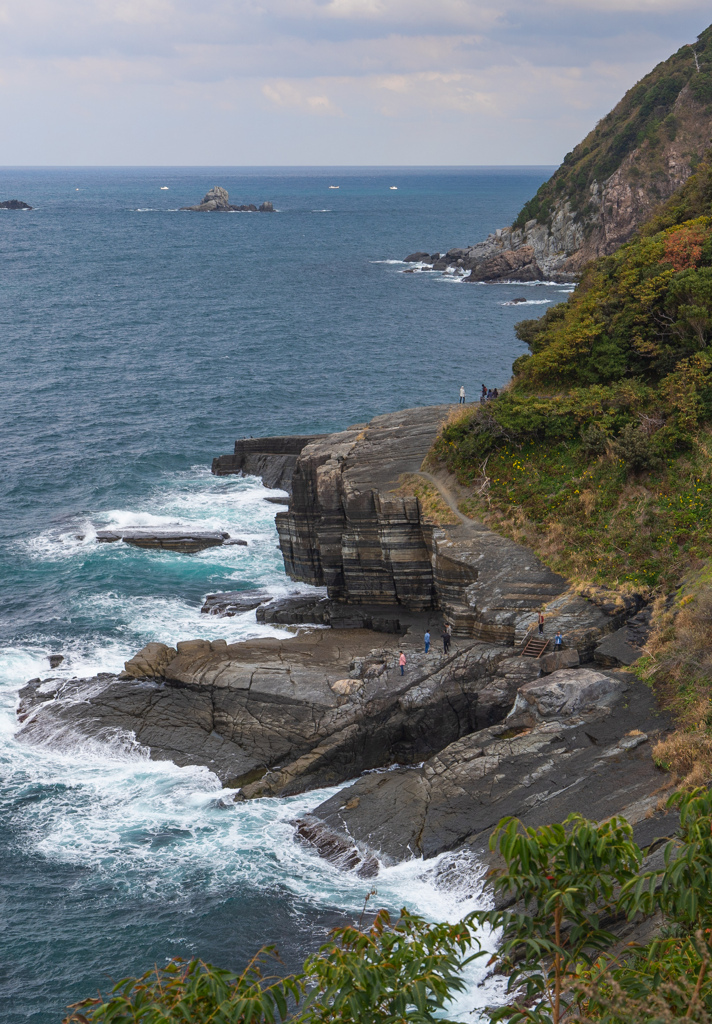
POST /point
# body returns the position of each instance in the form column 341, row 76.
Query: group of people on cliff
column 487, row 394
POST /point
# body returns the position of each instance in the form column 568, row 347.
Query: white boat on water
column 164, row 188
column 394, row 188
column 333, row 186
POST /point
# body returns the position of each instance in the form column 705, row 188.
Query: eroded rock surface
column 280, row 717
column 578, row 740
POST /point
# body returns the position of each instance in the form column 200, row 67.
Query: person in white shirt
column 462, row 395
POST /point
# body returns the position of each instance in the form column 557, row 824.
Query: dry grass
column 679, row 667
column 434, row 510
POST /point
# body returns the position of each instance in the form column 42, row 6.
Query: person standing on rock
column 462, row 395
column 558, row 641
column 446, row 640
column 427, row 640
column 401, row 662
column 541, row 622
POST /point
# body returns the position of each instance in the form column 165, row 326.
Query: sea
column 137, row 342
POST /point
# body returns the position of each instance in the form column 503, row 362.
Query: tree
column 564, row 879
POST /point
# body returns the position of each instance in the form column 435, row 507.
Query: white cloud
column 351, row 81
column 289, row 94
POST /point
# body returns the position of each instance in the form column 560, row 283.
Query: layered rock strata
column 271, row 458
column 349, row 528
column 186, row 541
column 279, row 717
column 577, row 740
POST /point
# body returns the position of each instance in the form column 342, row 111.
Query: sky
column 321, row 82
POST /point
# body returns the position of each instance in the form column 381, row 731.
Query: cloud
column 351, row 81
column 288, row 94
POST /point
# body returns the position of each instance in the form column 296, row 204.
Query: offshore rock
column 183, row 540
column 217, row 200
column 278, row 717
column 14, row 204
column 581, row 743
column 234, row 602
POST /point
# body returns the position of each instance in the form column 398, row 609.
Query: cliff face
column 349, row 528
column 635, row 158
column 272, row 458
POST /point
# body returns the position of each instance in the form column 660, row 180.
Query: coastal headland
column 464, row 734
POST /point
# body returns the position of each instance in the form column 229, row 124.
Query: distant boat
column 394, row 188
column 164, row 187
column 333, row 186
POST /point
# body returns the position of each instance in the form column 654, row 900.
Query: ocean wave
column 528, row 302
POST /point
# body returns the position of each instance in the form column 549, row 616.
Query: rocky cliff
column 350, row 527
column 636, row 157
column 271, row 458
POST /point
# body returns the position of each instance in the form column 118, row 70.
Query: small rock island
column 14, row 204
column 218, row 199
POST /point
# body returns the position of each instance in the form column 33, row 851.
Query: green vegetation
column 643, row 119
column 598, row 453
column 402, row 972
column 566, row 888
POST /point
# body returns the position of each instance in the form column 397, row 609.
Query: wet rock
column 185, row 541
column 416, row 257
column 234, row 602
column 14, row 204
column 296, row 609
column 271, row 458
column 55, row 660
column 266, row 208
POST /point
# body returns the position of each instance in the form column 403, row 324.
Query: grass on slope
column 643, row 118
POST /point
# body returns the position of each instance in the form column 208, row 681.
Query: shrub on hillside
column 636, row 449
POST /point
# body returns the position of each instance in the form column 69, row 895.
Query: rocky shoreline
column 450, row 745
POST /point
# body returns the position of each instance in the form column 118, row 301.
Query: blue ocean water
column 137, row 342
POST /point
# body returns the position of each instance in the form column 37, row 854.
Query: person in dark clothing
column 483, row 396
column 541, row 622
column 446, row 641
column 489, row 394
column 495, row 393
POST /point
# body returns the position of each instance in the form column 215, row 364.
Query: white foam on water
column 529, row 302
column 152, row 829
